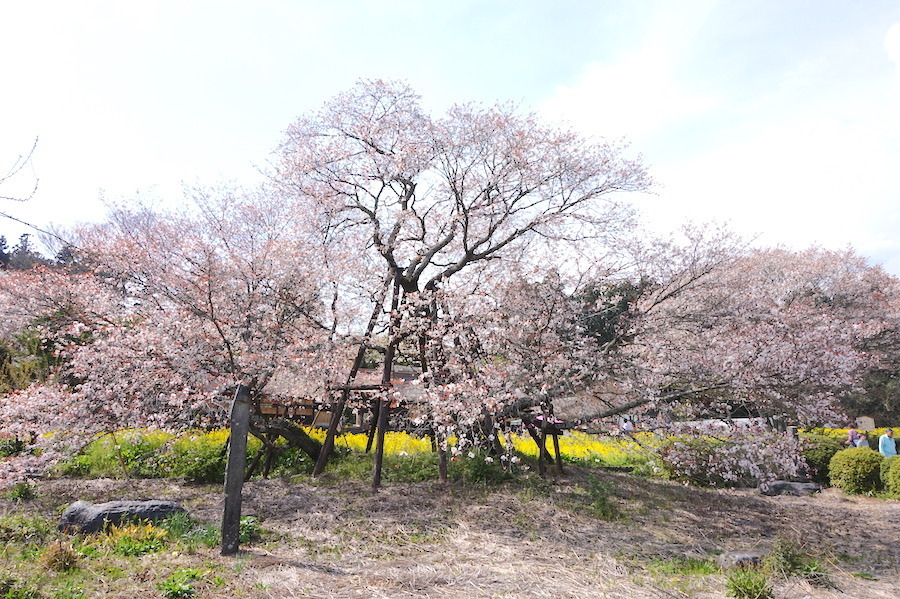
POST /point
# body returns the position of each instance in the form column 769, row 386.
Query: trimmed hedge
column 856, row 470
column 817, row 451
column 890, row 475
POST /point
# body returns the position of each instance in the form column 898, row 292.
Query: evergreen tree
column 4, row 253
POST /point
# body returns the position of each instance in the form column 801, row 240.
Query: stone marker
column 83, row 516
column 783, row 487
column 739, row 559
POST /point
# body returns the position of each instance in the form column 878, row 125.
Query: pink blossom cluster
column 732, row 456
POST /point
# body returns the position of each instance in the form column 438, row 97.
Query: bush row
column 197, row 455
column 864, row 470
column 201, row 456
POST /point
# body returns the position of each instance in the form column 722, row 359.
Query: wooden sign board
column 865, row 423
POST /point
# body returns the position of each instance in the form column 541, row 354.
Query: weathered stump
column 83, row 516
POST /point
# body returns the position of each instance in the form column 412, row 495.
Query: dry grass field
column 586, row 533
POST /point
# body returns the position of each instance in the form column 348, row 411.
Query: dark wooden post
column 373, row 424
column 384, row 405
column 234, row 469
column 338, row 411
column 559, row 462
column 383, row 419
column 542, row 449
column 336, row 415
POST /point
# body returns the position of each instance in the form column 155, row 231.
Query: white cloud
column 636, row 97
column 892, row 43
column 637, row 93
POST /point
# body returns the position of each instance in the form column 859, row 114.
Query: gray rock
column 83, row 516
column 783, row 487
column 738, row 559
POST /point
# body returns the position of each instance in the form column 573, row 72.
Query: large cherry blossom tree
column 429, row 198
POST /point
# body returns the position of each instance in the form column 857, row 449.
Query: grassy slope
column 584, row 534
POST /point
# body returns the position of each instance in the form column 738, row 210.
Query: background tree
column 13, row 176
column 24, row 256
column 176, row 309
column 4, row 252
column 777, row 333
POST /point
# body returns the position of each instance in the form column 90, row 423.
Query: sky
column 779, row 117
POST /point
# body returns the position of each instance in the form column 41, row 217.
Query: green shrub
column 890, row 475
column 140, row 451
column 818, row 450
column 10, row 588
column 413, row 468
column 178, row 585
column 197, row 455
column 856, row 470
column 201, row 456
column 748, row 583
column 600, row 502
column 249, row 529
column 20, row 492
column 349, row 465
column 10, row 446
column 478, row 469
column 182, row 527
column 143, row 452
column 291, row 460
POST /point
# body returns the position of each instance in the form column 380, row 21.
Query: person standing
column 887, row 445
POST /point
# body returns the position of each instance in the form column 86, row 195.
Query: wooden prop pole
column 234, row 469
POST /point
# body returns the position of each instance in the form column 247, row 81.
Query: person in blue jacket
column 887, row 445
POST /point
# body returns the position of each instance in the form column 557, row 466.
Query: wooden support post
column 259, row 455
column 234, row 469
column 384, row 404
column 383, row 419
column 373, row 425
column 542, row 450
column 559, row 463
column 541, row 443
column 271, row 454
column 336, row 414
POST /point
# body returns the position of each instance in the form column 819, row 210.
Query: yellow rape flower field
column 574, row 445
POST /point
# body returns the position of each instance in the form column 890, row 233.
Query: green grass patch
column 748, row 583
column 682, row 566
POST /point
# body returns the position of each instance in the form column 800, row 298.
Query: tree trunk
column 297, row 437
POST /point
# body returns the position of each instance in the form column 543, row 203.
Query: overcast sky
column 781, row 117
